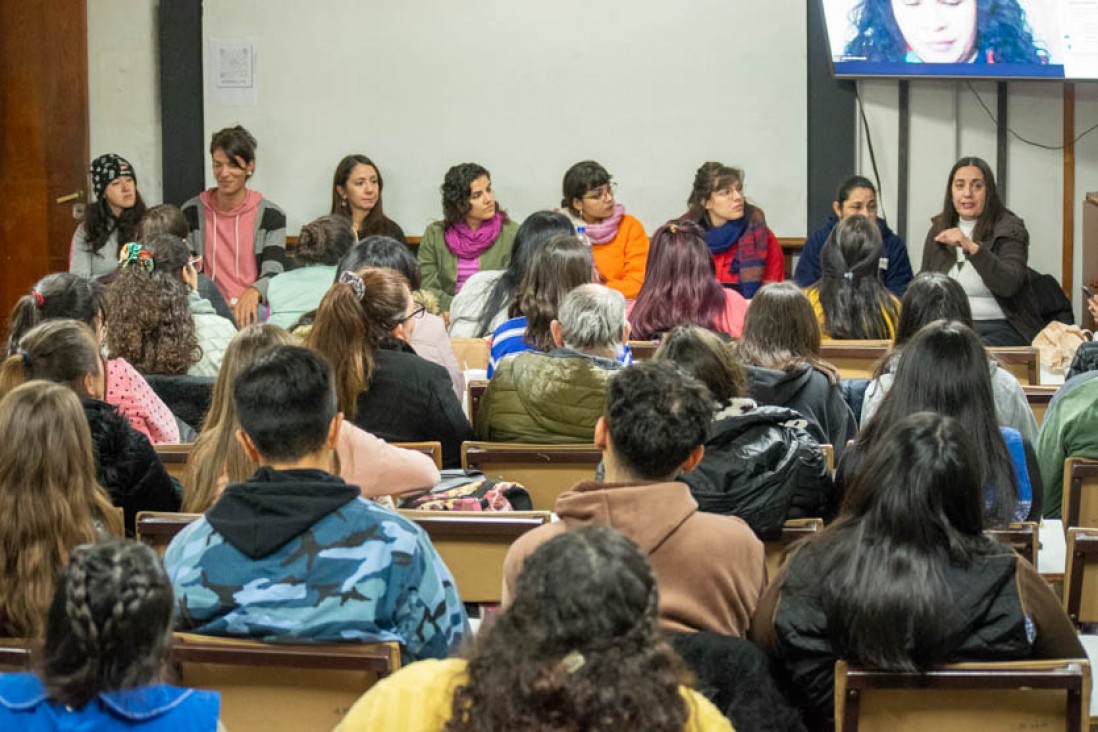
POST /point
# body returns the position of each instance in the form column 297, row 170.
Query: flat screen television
column 990, row 39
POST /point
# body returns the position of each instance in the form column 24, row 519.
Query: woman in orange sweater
column 618, row 241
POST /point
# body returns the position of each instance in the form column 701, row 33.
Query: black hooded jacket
column 809, row 393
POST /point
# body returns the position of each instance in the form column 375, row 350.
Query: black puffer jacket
column 762, row 465
column 127, row 465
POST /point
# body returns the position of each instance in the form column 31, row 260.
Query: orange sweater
column 621, row 261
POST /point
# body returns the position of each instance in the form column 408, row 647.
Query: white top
column 467, row 305
column 983, row 303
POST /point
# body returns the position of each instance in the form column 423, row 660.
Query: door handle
column 74, row 196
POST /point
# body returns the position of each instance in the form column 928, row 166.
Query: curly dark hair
column 108, row 628
column 151, row 322
column 455, row 192
column 1002, row 33
column 100, row 223
column 578, row 649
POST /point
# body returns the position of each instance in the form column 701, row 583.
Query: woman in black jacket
column 760, row 463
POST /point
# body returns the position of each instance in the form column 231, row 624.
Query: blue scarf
column 721, row 238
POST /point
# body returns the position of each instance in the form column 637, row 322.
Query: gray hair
column 592, row 317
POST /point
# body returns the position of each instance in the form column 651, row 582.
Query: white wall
column 651, row 90
column 123, row 88
column 947, row 122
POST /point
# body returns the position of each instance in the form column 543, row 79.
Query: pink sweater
column 138, row 403
column 381, row 469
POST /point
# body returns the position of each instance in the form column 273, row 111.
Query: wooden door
column 43, row 137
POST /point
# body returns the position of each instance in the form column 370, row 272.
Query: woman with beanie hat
column 111, row 221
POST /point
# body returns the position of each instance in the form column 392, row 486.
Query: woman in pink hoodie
column 240, row 235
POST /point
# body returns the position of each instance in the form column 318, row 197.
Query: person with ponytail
column 111, row 221
column 50, row 501
column 319, row 248
column 905, row 579
column 65, row 295
column 849, row 299
column 363, row 326
column 66, row 352
column 579, row 648
column 107, row 638
column 356, row 196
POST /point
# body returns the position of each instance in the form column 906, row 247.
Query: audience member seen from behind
column 618, row 242
column 760, row 464
column 335, row 566
column 482, row 304
column 49, row 499
column 934, row 296
column 745, row 252
column 849, row 300
column 944, row 370
column 240, row 235
column 363, row 326
column 1069, row 429
column 111, row 221
column 857, row 197
column 475, row 234
column 558, row 267
column 655, row 425
column 559, row 396
column 960, row 32
column 218, row 458
column 126, row 465
column 680, row 287
column 979, row 242
column 781, row 349
column 319, row 248
column 108, row 635
column 578, row 648
column 905, row 579
column 356, row 196
column 429, row 339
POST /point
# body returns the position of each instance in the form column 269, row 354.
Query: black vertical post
column 181, row 120
column 1001, row 177
column 903, row 172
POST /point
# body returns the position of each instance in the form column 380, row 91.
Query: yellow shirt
column 813, row 295
column 418, row 698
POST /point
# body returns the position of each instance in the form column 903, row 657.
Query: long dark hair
column 930, row 296
column 556, row 268
column 915, row 506
column 384, row 252
column 538, row 228
column 856, row 306
column 780, row 331
column 944, row 369
column 710, row 178
column 578, row 649
column 100, row 223
column 993, row 202
column 680, row 283
column 703, row 355
column 109, row 625
column 1002, row 34
column 376, row 222
column 59, row 295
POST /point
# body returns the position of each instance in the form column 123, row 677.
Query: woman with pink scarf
column 618, row 241
column 474, row 235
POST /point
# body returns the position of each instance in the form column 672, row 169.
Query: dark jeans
column 999, row 333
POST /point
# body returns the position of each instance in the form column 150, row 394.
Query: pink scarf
column 469, row 244
column 607, row 229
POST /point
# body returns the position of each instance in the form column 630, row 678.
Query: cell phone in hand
column 1087, row 292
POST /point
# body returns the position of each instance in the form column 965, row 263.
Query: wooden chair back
column 855, row 359
column 643, row 350
column 1038, row 398
column 15, row 654
column 1081, row 575
column 475, row 389
column 829, row 456
column 158, row 528
column 474, row 544
column 432, row 450
column 1080, row 499
column 1024, row 362
column 471, row 353
column 174, row 458
column 1016, row 695
column 1022, row 537
column 281, row 687
column 793, row 530
column 545, row 471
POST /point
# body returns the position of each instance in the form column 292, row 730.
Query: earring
column 344, row 204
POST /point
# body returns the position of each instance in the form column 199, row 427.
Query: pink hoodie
column 230, row 244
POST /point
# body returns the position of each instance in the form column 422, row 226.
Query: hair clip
column 572, row 662
column 356, row 283
column 673, row 228
column 26, row 359
column 848, row 275
column 134, row 253
column 38, row 298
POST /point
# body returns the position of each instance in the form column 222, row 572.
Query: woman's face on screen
column 938, row 31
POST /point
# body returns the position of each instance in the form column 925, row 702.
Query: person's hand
column 1092, row 306
column 190, row 277
column 956, row 238
column 244, row 311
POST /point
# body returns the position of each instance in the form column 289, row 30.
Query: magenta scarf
column 469, row 244
column 607, row 229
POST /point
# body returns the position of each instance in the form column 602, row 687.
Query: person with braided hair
column 108, row 631
column 578, row 648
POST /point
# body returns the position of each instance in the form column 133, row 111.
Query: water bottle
column 581, row 234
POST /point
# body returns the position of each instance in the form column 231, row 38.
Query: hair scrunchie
column 356, row 283
column 39, row 299
column 134, row 253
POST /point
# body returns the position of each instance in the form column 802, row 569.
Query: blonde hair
column 50, row 502
column 216, row 452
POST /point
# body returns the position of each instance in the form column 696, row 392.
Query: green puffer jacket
column 554, row 397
